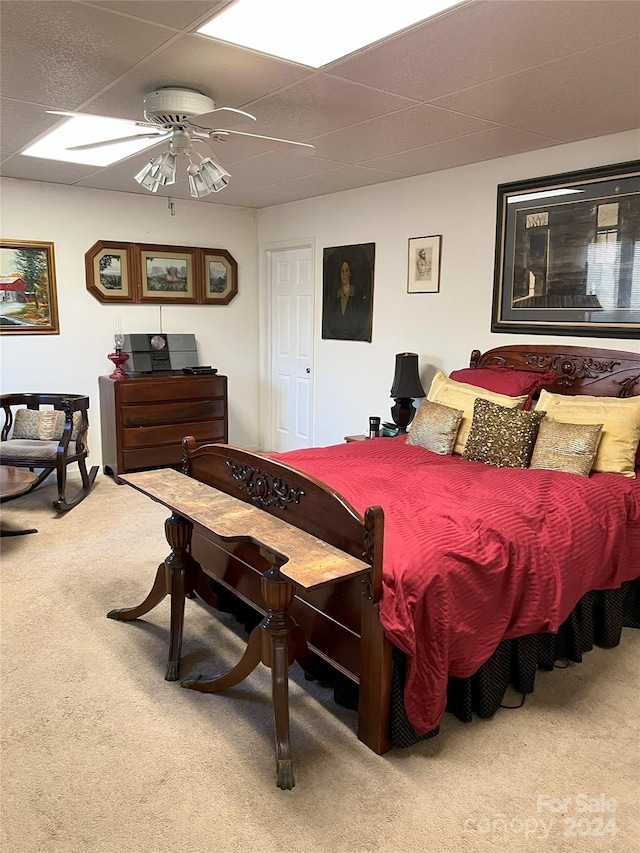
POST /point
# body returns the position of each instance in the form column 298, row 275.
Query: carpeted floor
column 101, row 755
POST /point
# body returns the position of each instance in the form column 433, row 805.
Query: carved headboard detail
column 580, row 370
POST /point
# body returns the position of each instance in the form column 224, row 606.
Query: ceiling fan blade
column 89, row 146
column 227, row 114
column 304, row 147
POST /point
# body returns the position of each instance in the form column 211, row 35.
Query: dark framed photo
column 111, row 272
column 423, row 273
column 28, row 299
column 568, row 254
column 220, row 277
column 347, row 292
column 167, row 274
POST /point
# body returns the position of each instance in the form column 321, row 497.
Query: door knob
column 308, row 370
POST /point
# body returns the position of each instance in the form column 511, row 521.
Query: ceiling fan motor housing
column 173, row 107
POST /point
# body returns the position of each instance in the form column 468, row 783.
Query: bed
column 511, row 578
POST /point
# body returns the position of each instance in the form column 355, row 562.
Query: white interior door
column 291, row 274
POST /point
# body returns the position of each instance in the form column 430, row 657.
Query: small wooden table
column 13, row 482
column 294, row 558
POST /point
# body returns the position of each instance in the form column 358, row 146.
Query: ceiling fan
column 184, row 118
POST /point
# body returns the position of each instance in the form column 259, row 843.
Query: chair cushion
column 43, row 424
column 17, row 449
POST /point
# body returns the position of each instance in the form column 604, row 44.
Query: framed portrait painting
column 347, row 292
column 423, row 275
column 110, row 272
column 167, row 274
column 568, row 254
column 28, row 299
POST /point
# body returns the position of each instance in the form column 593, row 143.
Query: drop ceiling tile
column 612, row 115
column 476, row 42
column 272, row 168
column 171, row 13
column 488, row 145
column 62, row 53
column 232, row 76
column 121, row 181
column 321, row 104
column 401, row 131
column 346, row 178
column 252, row 198
column 36, row 169
column 578, row 79
column 21, row 122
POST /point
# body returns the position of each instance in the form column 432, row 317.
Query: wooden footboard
column 340, row 622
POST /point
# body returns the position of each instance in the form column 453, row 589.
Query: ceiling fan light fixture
column 213, row 174
column 147, row 177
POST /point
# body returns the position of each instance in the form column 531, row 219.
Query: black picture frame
column 567, row 258
column 347, row 292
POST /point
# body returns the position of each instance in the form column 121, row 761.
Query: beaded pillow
column 435, row 427
column 566, row 447
column 501, row 436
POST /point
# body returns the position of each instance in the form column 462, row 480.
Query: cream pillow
column 620, row 419
column 459, row 395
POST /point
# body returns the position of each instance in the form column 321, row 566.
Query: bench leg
column 276, row 642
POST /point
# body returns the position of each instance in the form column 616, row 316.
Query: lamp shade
column 406, row 380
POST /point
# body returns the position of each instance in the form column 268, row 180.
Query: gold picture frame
column 28, row 298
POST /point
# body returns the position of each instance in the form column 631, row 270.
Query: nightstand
column 349, row 438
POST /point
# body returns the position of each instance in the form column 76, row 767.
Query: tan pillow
column 459, row 395
column 44, row 424
column 435, row 427
column 620, row 419
column 501, row 436
column 566, row 447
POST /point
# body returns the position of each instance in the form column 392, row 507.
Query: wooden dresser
column 144, row 418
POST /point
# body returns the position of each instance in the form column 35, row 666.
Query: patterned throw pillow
column 44, row 424
column 566, row 447
column 459, row 395
column 435, row 427
column 501, row 436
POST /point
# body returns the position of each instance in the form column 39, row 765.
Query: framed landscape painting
column 568, row 254
column 167, row 274
column 28, row 300
column 220, row 278
column 110, row 272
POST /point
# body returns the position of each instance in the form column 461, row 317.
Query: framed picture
column 347, row 292
column 568, row 254
column 110, row 272
column 423, row 275
column 167, row 274
column 220, row 278
column 28, row 300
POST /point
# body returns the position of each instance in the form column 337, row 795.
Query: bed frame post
column 375, row 650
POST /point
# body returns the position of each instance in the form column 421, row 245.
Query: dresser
column 144, row 418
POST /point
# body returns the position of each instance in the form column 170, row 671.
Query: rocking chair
column 48, row 439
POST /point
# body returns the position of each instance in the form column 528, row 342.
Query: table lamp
column 406, row 387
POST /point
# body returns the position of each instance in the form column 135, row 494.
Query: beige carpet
column 101, row 755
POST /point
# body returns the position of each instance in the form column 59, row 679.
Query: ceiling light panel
column 316, row 33
column 80, row 130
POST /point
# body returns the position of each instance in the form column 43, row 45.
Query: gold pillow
column 44, row 424
column 620, row 419
column 459, row 395
column 566, row 447
column 435, row 427
column 501, row 436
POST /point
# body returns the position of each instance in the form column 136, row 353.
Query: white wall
column 73, row 219
column 353, row 379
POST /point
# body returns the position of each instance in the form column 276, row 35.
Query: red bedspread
column 474, row 555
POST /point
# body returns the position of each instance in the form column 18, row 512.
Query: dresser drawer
column 152, row 390
column 173, row 433
column 152, row 414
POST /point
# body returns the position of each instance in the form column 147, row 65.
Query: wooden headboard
column 580, row 370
